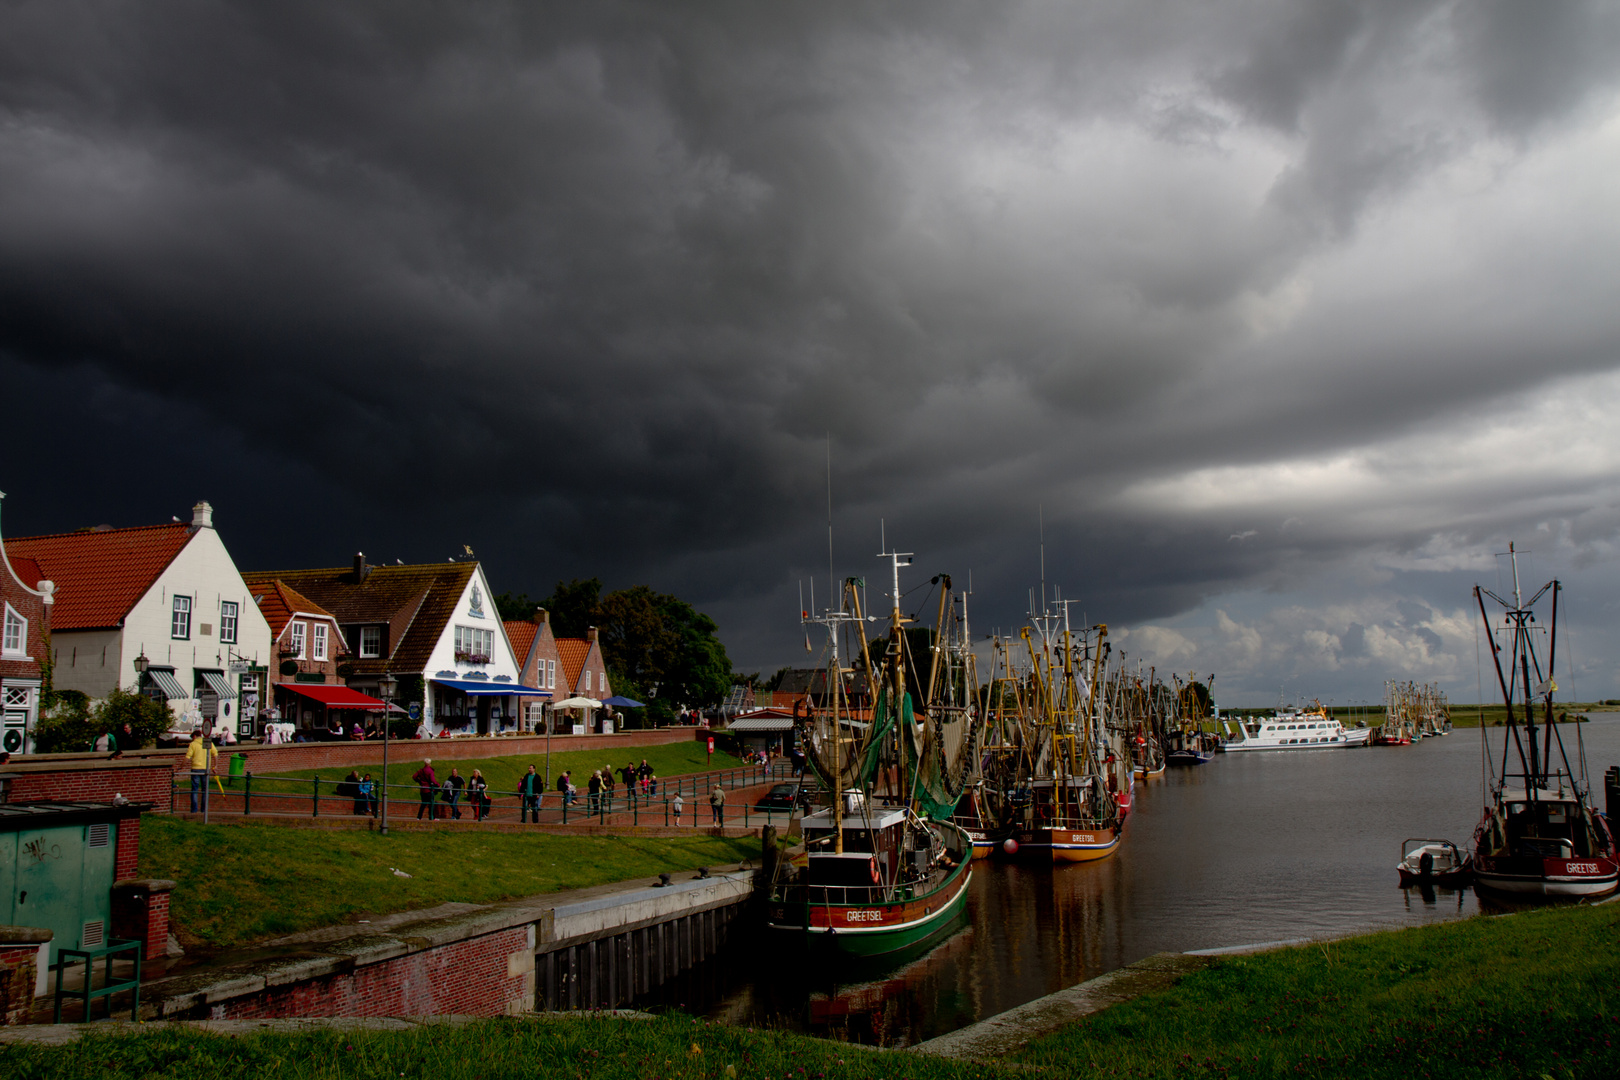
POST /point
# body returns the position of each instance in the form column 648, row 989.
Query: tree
column 574, row 607
column 516, row 607
column 653, row 641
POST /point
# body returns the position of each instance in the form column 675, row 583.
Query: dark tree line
column 658, row 648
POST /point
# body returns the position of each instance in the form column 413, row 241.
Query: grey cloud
column 590, row 287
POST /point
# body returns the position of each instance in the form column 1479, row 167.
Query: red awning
column 335, row 697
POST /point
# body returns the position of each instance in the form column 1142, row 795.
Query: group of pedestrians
column 448, row 793
column 441, row 799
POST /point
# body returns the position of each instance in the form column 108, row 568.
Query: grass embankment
column 1532, row 995
column 503, row 773
column 242, row 883
column 1535, row 995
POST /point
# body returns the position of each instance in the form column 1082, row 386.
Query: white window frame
column 227, row 622
column 601, row 682
column 370, row 642
column 295, row 637
column 180, row 618
column 16, row 633
column 317, row 642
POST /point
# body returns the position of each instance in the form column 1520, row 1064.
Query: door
column 483, row 714
column 50, row 888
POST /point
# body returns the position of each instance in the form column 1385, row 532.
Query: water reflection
column 1249, row 848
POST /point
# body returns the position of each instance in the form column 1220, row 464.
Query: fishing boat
column 1439, row 863
column 882, row 867
column 1296, row 729
column 1541, row 835
column 1081, row 782
column 1186, row 743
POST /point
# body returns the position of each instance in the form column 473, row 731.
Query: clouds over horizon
column 591, row 288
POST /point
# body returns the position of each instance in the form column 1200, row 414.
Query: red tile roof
column 100, row 575
column 521, row 634
column 571, row 654
column 278, row 601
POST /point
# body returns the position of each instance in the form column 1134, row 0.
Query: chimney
column 590, row 634
column 542, row 617
column 202, row 516
column 360, row 567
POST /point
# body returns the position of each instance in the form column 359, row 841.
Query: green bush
column 72, row 725
column 66, row 727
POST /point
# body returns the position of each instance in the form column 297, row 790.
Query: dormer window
column 295, row 639
column 370, row 642
column 318, row 640
column 16, row 634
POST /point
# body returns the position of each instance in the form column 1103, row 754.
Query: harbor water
column 1250, row 848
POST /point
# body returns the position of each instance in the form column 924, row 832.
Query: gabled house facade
column 161, row 608
column 309, row 657
column 584, row 671
column 536, row 647
column 433, row 627
column 26, row 600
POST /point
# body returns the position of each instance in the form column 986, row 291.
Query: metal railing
column 323, row 796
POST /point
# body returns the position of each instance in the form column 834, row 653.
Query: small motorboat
column 1432, row 862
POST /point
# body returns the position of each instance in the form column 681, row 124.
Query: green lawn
column 503, row 773
column 241, row 883
column 1528, row 996
column 1535, row 995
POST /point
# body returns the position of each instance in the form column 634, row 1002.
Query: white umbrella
column 577, row 703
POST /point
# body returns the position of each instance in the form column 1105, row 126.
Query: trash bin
column 238, row 767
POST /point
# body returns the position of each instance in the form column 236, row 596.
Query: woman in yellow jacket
column 201, row 756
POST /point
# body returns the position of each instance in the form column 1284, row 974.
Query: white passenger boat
column 1296, row 729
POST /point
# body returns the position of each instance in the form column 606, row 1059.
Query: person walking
column 717, row 803
column 628, row 774
column 478, row 794
column 607, row 786
column 644, row 772
column 594, row 796
column 565, row 788
column 529, row 793
column 652, row 786
column 201, row 755
column 426, row 785
column 677, row 806
column 453, row 788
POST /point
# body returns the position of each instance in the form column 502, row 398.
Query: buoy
column 1010, row 846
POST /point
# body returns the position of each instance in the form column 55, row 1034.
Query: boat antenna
column 832, row 577
column 1040, row 518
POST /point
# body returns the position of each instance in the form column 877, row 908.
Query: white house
column 166, row 598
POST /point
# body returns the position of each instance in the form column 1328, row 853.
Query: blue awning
column 474, row 688
column 619, row 702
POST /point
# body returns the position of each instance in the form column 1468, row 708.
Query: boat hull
column 869, row 929
column 1188, row 757
column 1526, row 875
column 1067, row 845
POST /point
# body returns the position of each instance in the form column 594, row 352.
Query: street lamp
column 387, row 687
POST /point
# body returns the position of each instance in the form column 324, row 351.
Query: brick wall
column 140, row 912
column 128, row 855
column 491, row 975
column 75, row 780
column 19, row 972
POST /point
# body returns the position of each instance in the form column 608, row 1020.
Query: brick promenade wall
column 71, row 778
column 128, row 856
column 491, row 975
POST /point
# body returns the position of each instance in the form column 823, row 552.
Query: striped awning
column 218, row 684
column 164, row 680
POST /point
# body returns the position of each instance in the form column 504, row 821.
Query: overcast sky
column 1285, row 317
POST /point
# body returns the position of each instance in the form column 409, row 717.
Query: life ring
column 1045, row 811
column 873, row 864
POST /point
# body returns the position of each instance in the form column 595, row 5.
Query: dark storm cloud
column 589, row 286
